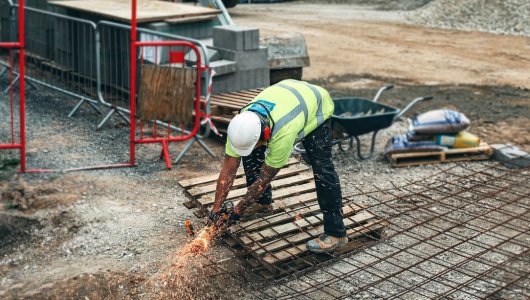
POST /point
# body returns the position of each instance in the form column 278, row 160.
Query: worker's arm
column 257, row 188
column 225, row 181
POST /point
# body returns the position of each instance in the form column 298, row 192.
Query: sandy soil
column 346, row 39
column 104, row 234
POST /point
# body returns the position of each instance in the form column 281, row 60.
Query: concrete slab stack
column 240, row 45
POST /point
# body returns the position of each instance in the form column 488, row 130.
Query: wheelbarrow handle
column 410, row 105
column 381, row 90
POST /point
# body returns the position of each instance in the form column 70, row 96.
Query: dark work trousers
column 318, row 146
column 252, row 165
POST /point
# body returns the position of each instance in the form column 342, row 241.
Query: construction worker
column 263, row 134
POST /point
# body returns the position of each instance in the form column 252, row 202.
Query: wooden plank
column 274, row 231
column 275, row 245
column 295, row 190
column 244, row 94
column 302, row 208
column 186, row 183
column 190, row 204
column 291, row 202
column 208, row 200
column 148, row 11
column 180, row 20
column 270, row 220
column 227, row 105
column 234, row 99
column 230, row 99
column 238, row 95
column 297, row 250
column 200, row 213
column 242, row 181
column 258, row 90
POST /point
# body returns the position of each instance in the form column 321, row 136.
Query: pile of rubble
column 495, row 16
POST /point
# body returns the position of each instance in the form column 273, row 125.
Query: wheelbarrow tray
column 361, row 116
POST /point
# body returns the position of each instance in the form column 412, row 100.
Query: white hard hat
column 243, row 132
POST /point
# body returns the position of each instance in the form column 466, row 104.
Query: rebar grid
column 462, row 233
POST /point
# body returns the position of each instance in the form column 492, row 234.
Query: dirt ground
column 112, row 234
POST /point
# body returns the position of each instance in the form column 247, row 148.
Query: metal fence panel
column 61, row 52
column 12, row 103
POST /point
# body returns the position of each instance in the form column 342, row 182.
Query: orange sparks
column 200, row 243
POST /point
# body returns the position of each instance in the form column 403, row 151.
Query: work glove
column 212, row 217
column 233, row 217
column 225, row 217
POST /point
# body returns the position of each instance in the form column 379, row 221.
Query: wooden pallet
column 224, row 106
column 274, row 245
column 280, row 246
column 482, row 152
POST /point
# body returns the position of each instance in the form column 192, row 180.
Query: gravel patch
column 494, row 16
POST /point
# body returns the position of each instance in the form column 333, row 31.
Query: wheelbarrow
column 354, row 117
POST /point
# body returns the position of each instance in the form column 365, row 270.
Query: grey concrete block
column 235, row 38
column 225, row 83
column 247, row 60
column 222, row 67
column 251, row 40
column 511, row 156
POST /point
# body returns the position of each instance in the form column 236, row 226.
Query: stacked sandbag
column 436, row 130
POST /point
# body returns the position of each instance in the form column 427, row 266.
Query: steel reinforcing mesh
column 462, row 233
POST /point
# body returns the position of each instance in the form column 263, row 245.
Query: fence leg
column 12, row 85
column 17, row 78
column 78, row 105
column 123, row 116
column 166, row 155
column 205, row 147
column 106, row 118
column 28, row 82
column 184, row 151
column 3, row 71
column 188, row 146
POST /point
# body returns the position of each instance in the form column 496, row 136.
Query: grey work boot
column 326, row 243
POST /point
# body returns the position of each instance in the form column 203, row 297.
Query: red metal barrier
column 164, row 141
column 17, row 46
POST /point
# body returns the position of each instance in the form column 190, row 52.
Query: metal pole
column 22, row 107
column 132, row 94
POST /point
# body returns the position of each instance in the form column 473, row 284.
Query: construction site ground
column 112, row 233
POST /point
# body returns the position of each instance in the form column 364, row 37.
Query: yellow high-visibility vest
column 297, row 108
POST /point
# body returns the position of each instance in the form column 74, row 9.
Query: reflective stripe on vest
column 301, row 107
column 320, row 115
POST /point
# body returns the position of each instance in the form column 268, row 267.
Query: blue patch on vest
column 260, row 109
